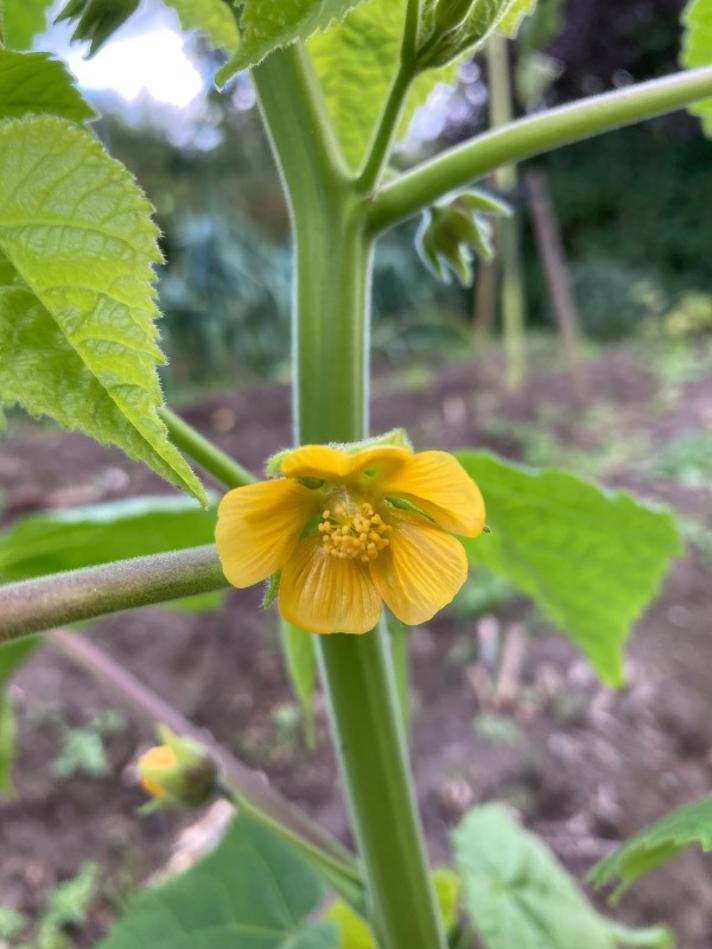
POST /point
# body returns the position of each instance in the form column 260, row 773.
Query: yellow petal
column 324, row 594
column 421, row 570
column 333, row 464
column 259, row 526
column 437, row 483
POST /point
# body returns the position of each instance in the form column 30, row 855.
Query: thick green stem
column 33, row 606
column 333, row 266
column 221, row 466
column 460, row 166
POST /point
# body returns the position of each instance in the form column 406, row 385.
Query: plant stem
column 460, row 166
column 333, row 266
column 33, row 606
column 251, row 790
column 385, row 134
column 508, row 243
column 220, row 465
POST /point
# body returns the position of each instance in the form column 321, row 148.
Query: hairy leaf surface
column 266, row 25
column 591, row 559
column 697, row 51
column 518, row 894
column 214, row 18
column 663, row 840
column 35, row 83
column 252, row 892
column 78, row 334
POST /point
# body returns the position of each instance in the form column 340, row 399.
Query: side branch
column 33, row 606
column 458, row 167
column 220, row 465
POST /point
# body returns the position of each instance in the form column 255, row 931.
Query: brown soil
column 586, row 766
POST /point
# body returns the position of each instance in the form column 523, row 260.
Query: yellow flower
column 160, row 761
column 351, row 529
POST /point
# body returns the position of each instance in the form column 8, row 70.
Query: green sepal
column 193, row 779
column 397, row 436
column 271, row 590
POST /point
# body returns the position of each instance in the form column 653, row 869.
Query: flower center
column 353, row 531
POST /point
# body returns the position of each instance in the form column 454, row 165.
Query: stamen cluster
column 354, row 532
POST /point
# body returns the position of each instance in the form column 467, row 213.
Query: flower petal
column 437, row 483
column 421, row 570
column 334, row 464
column 259, row 526
column 324, row 594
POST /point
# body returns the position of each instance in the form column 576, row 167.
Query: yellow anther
column 353, row 531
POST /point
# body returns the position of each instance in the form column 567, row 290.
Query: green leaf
column 363, row 52
column 41, row 544
column 68, row 906
column 96, row 21
column 22, row 20
column 512, row 20
column 688, row 825
column 300, row 658
column 355, row 933
column 518, row 894
column 591, row 559
column 79, row 339
column 265, row 27
column 7, row 742
column 214, row 18
column 697, row 50
column 35, row 83
column 252, row 892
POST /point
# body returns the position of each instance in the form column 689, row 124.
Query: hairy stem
column 460, row 166
column 33, row 606
column 333, row 266
column 250, row 789
column 215, row 461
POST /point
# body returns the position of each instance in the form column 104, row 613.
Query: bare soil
column 586, row 766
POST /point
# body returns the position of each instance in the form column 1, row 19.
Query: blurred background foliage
column 635, row 232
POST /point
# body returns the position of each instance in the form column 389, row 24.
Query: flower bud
column 178, row 772
column 449, row 14
column 452, row 230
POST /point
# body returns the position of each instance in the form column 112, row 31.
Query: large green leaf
column 519, row 895
column 35, row 83
column 268, row 26
column 214, row 18
column 688, row 825
column 252, row 892
column 591, row 559
column 84, row 536
column 22, row 20
column 697, row 50
column 363, row 52
column 78, row 337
